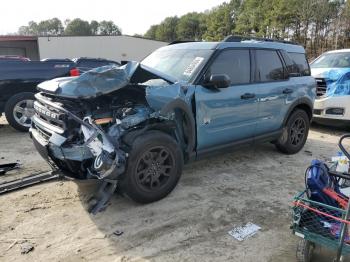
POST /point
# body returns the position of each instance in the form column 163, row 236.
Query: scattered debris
column 118, row 233
column 26, row 247
column 27, row 181
column 243, row 232
column 8, row 166
column 308, row 152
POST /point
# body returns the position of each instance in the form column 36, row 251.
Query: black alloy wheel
column 154, row 168
column 297, row 131
column 294, row 133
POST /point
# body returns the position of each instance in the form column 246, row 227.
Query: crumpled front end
column 84, row 136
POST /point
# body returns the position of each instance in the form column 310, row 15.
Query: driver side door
column 227, row 115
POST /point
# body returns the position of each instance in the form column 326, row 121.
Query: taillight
column 74, row 72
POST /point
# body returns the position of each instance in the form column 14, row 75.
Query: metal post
column 344, row 229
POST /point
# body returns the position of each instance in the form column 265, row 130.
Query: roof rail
column 238, row 38
column 181, row 41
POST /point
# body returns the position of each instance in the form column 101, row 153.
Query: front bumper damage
column 99, row 154
column 108, row 159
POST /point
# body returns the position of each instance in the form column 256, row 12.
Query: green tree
column 166, row 31
column 108, row 28
column 191, row 26
column 78, row 27
column 50, row 27
column 94, row 27
column 46, row 27
column 151, row 32
column 251, row 18
column 30, row 29
column 221, row 21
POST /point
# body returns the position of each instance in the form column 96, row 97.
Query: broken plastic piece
column 9, row 166
column 100, row 201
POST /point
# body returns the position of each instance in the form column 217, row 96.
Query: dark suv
column 139, row 123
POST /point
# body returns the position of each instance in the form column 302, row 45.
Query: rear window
column 292, row 68
column 301, row 62
column 269, row 66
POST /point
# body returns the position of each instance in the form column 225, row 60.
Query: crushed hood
column 98, row 81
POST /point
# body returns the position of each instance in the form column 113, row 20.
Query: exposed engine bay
column 85, row 126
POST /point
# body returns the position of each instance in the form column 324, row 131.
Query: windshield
column 182, row 64
column 332, row 60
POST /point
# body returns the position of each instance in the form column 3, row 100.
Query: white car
column 332, row 73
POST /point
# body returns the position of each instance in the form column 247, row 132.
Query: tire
column 304, row 250
column 153, row 168
column 294, row 133
column 18, row 111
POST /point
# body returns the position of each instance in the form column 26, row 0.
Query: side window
column 234, row 63
column 292, row 68
column 269, row 66
column 301, row 62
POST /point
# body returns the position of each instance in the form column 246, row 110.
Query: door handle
column 288, row 91
column 247, row 96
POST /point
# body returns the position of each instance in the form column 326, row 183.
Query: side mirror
column 218, row 81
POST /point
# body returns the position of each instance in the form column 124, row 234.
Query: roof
column 17, row 38
column 246, row 43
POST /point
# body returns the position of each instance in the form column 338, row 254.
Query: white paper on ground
column 242, row 232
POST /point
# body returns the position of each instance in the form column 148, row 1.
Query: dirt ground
column 249, row 185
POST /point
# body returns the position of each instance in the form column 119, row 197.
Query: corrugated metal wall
column 110, row 47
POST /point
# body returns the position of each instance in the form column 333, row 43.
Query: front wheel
column 18, row 111
column 294, row 133
column 154, row 167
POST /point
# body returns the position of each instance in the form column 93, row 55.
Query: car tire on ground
column 154, row 167
column 294, row 133
column 19, row 109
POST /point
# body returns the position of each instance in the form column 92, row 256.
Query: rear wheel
column 154, row 167
column 18, row 111
column 305, row 250
column 294, row 133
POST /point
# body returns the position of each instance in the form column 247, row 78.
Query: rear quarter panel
column 305, row 92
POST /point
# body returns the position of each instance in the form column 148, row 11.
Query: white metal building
column 109, row 47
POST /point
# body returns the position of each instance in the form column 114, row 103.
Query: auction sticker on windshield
column 193, row 66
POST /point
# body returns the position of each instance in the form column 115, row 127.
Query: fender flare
column 301, row 101
column 180, row 104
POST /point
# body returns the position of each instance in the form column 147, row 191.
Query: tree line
column 319, row 25
column 76, row 26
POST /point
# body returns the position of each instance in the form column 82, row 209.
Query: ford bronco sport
column 139, row 123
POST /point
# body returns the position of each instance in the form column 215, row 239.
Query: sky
column 132, row 16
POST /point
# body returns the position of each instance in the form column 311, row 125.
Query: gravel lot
column 249, row 185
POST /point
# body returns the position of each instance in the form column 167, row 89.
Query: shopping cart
column 323, row 224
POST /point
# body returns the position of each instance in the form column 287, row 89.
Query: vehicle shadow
column 248, row 185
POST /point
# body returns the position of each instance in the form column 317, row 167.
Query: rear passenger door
column 227, row 114
column 273, row 90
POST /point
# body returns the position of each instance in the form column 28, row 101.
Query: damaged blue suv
column 138, row 124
